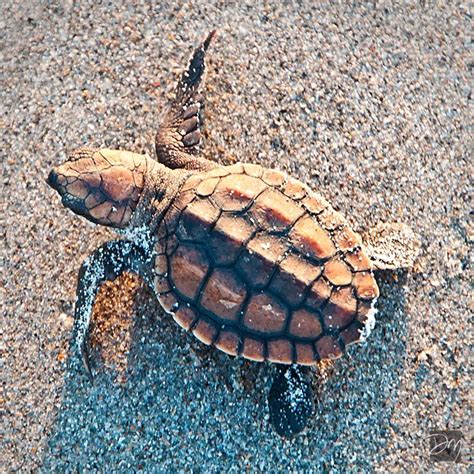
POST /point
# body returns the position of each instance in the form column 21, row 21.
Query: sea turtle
column 248, row 259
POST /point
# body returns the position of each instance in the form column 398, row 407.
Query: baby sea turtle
column 248, row 259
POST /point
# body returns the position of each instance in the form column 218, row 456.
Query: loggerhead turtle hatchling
column 248, row 259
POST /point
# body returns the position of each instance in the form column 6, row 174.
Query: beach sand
column 366, row 103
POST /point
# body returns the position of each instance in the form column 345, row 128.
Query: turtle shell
column 254, row 262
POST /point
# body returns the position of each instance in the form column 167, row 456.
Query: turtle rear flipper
column 290, row 400
column 105, row 264
column 179, row 135
column 392, row 246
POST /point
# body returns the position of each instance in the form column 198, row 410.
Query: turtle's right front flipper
column 105, row 264
column 179, row 135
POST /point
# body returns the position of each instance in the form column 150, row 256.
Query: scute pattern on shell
column 254, row 262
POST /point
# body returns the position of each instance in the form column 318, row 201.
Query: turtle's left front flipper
column 179, row 135
column 105, row 264
column 291, row 400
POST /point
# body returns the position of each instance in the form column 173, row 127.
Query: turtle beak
column 53, row 179
column 56, row 181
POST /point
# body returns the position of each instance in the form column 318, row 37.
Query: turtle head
column 104, row 185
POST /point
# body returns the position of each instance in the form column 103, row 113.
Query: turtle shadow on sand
column 144, row 409
column 353, row 420
column 177, row 404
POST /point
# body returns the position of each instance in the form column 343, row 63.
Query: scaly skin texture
column 179, row 135
column 104, row 185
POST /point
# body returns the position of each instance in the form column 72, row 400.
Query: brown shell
column 252, row 261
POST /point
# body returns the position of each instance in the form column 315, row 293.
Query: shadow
column 176, row 404
column 353, row 421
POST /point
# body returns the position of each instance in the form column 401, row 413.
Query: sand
column 368, row 104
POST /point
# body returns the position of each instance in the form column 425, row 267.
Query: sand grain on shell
column 368, row 105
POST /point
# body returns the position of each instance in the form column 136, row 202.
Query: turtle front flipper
column 105, row 264
column 290, row 401
column 392, row 246
column 179, row 135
